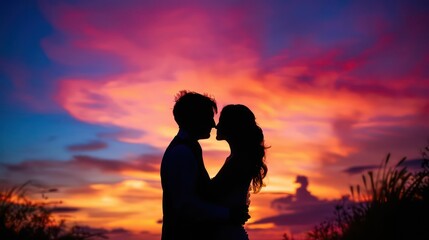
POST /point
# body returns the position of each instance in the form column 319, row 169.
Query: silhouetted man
column 183, row 175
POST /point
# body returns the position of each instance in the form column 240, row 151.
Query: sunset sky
column 87, row 90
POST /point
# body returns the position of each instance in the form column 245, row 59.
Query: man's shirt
column 182, row 177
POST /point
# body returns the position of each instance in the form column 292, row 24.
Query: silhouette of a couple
column 195, row 206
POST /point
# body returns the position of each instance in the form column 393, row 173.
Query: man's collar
column 183, row 134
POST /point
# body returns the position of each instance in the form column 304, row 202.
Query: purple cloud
column 89, row 146
column 80, row 170
column 119, row 231
column 145, row 162
column 65, row 209
column 359, row 169
column 413, row 164
column 309, row 214
column 104, row 165
column 125, row 133
column 300, row 209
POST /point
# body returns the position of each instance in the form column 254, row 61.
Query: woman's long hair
column 249, row 139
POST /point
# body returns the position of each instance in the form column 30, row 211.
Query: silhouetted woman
column 243, row 170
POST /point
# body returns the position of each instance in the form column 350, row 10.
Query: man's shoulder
column 177, row 152
column 179, row 148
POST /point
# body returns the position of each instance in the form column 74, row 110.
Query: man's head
column 194, row 113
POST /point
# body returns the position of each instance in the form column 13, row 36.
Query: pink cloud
column 145, row 37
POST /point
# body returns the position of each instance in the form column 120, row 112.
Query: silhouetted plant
column 393, row 204
column 23, row 219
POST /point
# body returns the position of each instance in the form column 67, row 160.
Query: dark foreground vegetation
column 392, row 203
column 23, row 219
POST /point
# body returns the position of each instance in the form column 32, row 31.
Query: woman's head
column 235, row 122
column 237, row 125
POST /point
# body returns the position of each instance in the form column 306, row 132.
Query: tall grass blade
column 401, row 161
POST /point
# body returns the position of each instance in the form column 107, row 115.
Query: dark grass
column 392, row 203
column 24, row 219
